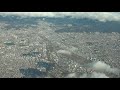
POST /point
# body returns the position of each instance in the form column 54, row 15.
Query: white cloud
column 64, row 52
column 103, row 67
column 94, row 75
column 98, row 75
column 85, row 75
column 101, row 16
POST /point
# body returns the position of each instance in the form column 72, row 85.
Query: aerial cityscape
column 59, row 44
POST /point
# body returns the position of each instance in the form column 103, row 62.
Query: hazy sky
column 101, row 16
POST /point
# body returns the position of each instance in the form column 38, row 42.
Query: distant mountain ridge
column 109, row 26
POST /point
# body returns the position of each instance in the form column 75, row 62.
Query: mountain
column 93, row 25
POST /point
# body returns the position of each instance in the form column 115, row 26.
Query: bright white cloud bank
column 101, row 16
column 86, row 75
column 103, row 67
column 94, row 75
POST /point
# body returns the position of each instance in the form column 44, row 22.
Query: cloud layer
column 94, row 75
column 103, row 67
column 101, row 16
